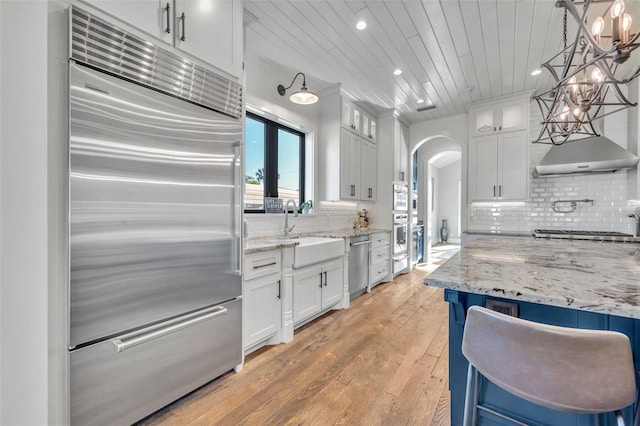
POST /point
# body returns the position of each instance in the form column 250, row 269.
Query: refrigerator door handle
column 145, row 335
column 237, row 205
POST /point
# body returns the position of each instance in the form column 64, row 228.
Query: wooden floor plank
column 383, row 361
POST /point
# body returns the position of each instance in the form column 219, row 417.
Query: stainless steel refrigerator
column 154, row 214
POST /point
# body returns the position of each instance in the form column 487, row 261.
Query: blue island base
column 503, row 402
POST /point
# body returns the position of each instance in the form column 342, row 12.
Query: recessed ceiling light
column 361, row 25
column 398, row 71
column 536, row 72
column 420, row 101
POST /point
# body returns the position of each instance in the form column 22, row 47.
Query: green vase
column 444, row 231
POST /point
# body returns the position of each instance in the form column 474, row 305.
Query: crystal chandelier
column 588, row 73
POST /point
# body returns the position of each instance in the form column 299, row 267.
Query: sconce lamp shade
column 303, row 96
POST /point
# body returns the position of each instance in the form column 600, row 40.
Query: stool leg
column 619, row 418
column 467, row 396
column 476, row 391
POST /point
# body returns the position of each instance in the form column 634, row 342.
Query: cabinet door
column 212, row 31
column 400, row 139
column 514, row 116
column 333, row 283
column 484, row 167
column 484, row 121
column 350, row 152
column 404, row 155
column 365, row 126
column 513, row 166
column 307, row 292
column 369, row 177
column 150, row 16
column 357, row 119
column 373, row 129
column 262, row 308
column 347, row 114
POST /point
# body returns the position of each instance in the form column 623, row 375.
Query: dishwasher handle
column 360, row 243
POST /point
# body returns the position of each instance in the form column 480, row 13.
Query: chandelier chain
column 564, row 35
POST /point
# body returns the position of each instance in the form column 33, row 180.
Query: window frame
column 271, row 158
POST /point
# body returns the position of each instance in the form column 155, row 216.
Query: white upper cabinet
column 155, row 17
column 369, row 175
column 499, row 167
column 368, row 127
column 210, row 30
column 351, row 116
column 401, row 156
column 350, row 154
column 343, row 147
column 501, row 117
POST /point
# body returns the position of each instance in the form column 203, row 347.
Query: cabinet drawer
column 379, row 240
column 379, row 255
column 261, row 264
column 378, row 272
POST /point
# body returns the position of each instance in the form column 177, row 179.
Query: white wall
column 449, row 200
column 23, row 224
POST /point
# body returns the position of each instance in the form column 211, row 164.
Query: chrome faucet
column 288, row 229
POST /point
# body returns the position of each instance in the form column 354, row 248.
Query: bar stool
column 567, row 369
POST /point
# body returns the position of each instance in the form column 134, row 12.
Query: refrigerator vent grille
column 102, row 45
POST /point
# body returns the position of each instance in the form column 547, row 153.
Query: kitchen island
column 570, row 283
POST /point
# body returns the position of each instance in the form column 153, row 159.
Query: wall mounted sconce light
column 303, row 96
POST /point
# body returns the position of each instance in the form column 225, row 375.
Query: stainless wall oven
column 400, row 229
column 400, row 241
column 400, row 197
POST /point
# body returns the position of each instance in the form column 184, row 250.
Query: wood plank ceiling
column 451, row 52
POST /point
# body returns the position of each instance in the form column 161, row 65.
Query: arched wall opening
column 440, row 167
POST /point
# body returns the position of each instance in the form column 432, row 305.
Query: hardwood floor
column 383, row 361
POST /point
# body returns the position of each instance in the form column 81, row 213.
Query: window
column 274, row 164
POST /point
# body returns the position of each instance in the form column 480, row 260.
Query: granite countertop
column 272, row 243
column 602, row 277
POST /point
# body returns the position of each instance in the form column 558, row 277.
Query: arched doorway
column 437, row 165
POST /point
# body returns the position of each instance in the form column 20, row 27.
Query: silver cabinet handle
column 370, row 193
column 325, row 278
column 279, row 288
column 265, row 265
column 353, row 190
column 145, row 335
column 500, row 190
column 494, row 190
column 401, row 175
column 320, row 280
column 167, row 9
column 184, row 24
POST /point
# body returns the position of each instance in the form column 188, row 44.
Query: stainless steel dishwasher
column 358, row 265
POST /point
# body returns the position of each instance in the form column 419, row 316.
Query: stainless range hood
column 590, row 155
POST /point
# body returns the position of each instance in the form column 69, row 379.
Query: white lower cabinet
column 262, row 297
column 263, row 308
column 379, row 258
column 316, row 288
